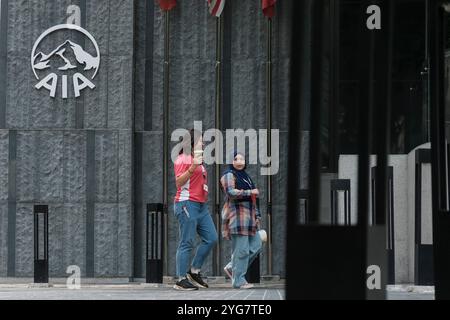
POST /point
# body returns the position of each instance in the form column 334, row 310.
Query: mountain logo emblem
column 67, row 58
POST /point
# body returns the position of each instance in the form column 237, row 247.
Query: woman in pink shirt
column 191, row 211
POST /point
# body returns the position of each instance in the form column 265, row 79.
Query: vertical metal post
column 166, row 135
column 269, row 142
column 40, row 261
column 218, row 125
column 380, row 88
column 425, row 74
column 316, row 101
column 383, row 117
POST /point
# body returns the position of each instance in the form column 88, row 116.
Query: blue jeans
column 245, row 250
column 193, row 217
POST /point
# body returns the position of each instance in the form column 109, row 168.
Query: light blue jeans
column 193, row 218
column 245, row 250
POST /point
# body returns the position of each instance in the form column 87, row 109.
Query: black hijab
column 243, row 180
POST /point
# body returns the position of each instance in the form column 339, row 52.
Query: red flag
column 167, row 4
column 216, row 7
column 268, row 7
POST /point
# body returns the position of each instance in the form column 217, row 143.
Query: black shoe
column 184, row 285
column 197, row 280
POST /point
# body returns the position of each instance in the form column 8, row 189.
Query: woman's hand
column 258, row 223
column 181, row 180
column 255, row 192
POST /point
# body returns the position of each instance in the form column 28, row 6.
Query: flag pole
column 269, row 142
column 166, row 137
column 218, row 117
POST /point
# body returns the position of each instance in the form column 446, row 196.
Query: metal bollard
column 423, row 255
column 154, row 243
column 253, row 273
column 335, row 187
column 304, row 197
column 40, row 214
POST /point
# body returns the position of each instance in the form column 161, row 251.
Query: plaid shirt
column 238, row 217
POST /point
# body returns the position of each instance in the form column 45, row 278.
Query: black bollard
column 253, row 273
column 154, row 243
column 40, row 244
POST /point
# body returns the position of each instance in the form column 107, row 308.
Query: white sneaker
column 228, row 272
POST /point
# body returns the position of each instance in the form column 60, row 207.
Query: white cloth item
column 263, row 235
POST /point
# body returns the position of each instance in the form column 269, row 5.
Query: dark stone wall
column 192, row 94
column 97, row 160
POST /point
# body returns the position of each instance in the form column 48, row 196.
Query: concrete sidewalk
column 136, row 292
column 142, row 291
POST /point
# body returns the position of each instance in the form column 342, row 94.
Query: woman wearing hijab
column 241, row 219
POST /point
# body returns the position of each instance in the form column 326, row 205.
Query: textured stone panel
column 139, row 95
column 24, row 240
column 36, row 108
column 192, row 93
column 27, row 177
column 193, row 31
column 43, row 15
column 18, row 92
column 151, row 185
column 248, row 30
column 4, row 165
column 74, row 166
column 152, row 174
column 280, row 95
column 39, row 166
column 140, row 20
column 96, row 101
column 106, row 239
column 158, row 33
column 125, row 187
column 67, row 225
column 112, row 240
column 281, row 33
column 3, row 239
column 279, row 240
column 279, row 181
column 158, row 96
column 248, row 91
column 50, row 164
column 121, row 26
column 120, row 92
column 124, row 253
column 48, row 112
column 19, row 15
column 106, row 166
column 98, row 23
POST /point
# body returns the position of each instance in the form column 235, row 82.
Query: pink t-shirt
column 195, row 189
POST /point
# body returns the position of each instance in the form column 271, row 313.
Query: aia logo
column 66, row 65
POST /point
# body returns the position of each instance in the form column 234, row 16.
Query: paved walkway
column 136, row 292
column 165, row 292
